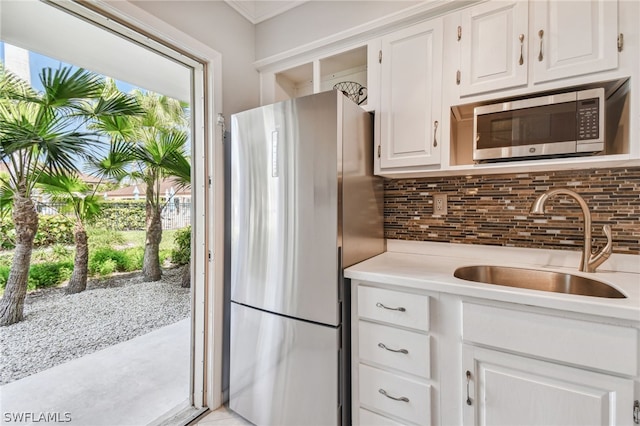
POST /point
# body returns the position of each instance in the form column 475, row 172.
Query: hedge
column 122, row 216
column 54, row 229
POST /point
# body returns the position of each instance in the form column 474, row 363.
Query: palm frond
column 64, row 88
column 116, row 164
column 13, row 87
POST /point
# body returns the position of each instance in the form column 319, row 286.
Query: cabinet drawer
column 585, row 343
column 367, row 418
column 417, row 404
column 392, row 347
column 394, row 307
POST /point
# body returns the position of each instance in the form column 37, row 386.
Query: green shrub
column 181, row 253
column 48, row 274
column 107, row 267
column 4, row 275
column 62, row 253
column 57, row 253
column 104, row 254
column 7, row 234
column 56, row 229
column 6, row 259
column 135, row 256
column 121, row 216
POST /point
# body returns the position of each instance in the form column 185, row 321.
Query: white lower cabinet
column 399, row 396
column 391, row 364
column 505, row 390
column 424, row 358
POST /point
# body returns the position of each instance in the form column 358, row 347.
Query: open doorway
column 165, row 61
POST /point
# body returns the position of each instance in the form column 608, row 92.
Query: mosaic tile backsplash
column 494, row 209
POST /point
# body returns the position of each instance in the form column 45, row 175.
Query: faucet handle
column 598, row 258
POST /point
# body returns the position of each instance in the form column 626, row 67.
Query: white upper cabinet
column 493, row 42
column 570, row 38
column 507, row 44
column 410, row 97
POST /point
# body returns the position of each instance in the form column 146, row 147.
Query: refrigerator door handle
column 274, row 154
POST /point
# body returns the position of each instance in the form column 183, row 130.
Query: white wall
column 318, row 19
column 225, row 30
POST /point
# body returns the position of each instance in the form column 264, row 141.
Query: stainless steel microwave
column 560, row 124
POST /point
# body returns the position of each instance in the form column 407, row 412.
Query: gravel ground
column 58, row 327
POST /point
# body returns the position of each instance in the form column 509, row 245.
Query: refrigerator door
column 284, row 208
column 283, row 371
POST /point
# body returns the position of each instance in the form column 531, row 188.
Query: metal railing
column 128, row 216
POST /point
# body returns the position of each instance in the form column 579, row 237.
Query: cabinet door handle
column 521, row 38
column 399, row 309
column 540, row 55
column 402, row 351
column 402, row 398
column 468, row 374
column 435, row 129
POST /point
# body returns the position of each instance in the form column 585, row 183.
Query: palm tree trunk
column 78, row 280
column 186, row 275
column 25, row 220
column 151, row 261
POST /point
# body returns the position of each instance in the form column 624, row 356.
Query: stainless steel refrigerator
column 304, row 205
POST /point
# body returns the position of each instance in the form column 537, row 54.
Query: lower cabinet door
column 505, row 389
column 398, row 396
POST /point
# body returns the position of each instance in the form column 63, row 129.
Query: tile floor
column 221, row 417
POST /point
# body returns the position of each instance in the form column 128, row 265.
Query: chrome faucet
column 589, row 262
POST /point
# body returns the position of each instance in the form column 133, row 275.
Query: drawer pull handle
column 402, row 398
column 402, row 351
column 399, row 309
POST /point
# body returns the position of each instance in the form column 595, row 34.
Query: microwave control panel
column 588, row 119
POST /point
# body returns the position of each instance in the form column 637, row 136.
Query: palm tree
column 73, row 192
column 44, row 132
column 155, row 149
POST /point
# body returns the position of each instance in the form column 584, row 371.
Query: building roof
column 165, row 187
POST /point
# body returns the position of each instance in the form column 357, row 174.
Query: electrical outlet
column 439, row 204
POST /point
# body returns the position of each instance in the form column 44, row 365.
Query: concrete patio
column 131, row 383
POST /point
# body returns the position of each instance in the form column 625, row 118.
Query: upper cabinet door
column 411, row 76
column 573, row 38
column 493, row 42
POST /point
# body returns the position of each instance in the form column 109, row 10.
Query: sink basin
column 535, row 279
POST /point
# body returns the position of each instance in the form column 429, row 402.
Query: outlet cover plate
column 439, row 204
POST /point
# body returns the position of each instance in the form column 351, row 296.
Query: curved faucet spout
column 589, row 262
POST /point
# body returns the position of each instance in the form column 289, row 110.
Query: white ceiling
column 260, row 10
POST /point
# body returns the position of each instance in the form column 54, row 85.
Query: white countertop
column 430, row 266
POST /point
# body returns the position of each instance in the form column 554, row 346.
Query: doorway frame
column 207, row 242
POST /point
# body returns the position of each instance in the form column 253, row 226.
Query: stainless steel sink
column 535, row 279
